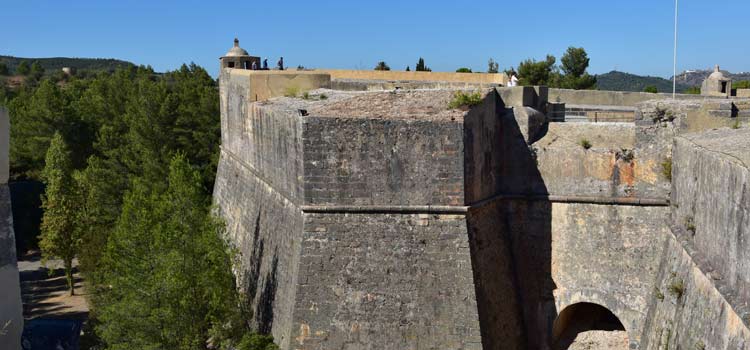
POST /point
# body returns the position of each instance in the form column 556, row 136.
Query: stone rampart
column 484, row 78
column 260, row 85
column 371, row 220
column 688, row 309
column 11, row 319
column 711, row 200
column 610, row 98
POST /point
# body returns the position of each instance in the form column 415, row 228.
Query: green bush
column 690, row 225
column 651, row 89
column 676, row 288
column 693, row 90
column 586, row 144
column 742, row 84
column 291, row 91
column 666, row 169
column 462, row 99
column 463, row 70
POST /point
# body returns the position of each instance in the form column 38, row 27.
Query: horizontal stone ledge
column 399, row 209
column 457, row 209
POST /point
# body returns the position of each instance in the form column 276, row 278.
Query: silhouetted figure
column 280, row 64
column 255, row 65
column 265, row 64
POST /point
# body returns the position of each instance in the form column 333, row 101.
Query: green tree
column 421, row 67
column 492, row 66
column 3, row 69
column 58, row 237
column 169, row 272
column 532, row 72
column 408, row 69
column 652, row 89
column 574, row 63
column 36, row 71
column 742, row 84
column 37, row 114
column 382, row 66
column 693, row 90
column 463, row 70
column 23, row 68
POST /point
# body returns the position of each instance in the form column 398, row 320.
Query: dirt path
column 46, row 295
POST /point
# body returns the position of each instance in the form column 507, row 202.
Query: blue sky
column 628, row 35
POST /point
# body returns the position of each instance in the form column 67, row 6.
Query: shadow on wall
column 510, row 238
column 261, row 305
column 582, row 317
column 26, row 199
column 511, row 242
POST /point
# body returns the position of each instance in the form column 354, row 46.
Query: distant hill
column 696, row 77
column 55, row 64
column 620, row 81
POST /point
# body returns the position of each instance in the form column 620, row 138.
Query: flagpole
column 674, row 68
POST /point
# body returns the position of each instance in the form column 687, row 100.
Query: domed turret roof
column 236, row 50
column 717, row 74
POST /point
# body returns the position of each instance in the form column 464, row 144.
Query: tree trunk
column 69, row 275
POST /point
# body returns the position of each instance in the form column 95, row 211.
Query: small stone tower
column 238, row 58
column 717, row 84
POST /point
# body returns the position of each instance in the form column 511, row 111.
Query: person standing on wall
column 265, row 64
column 513, row 80
column 280, row 64
column 255, row 66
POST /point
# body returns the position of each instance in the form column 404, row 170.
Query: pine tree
column 421, row 66
column 59, row 238
column 492, row 66
column 36, row 71
column 23, row 68
column 169, row 271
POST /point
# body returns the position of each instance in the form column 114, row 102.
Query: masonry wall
column 379, row 85
column 11, row 319
column 496, row 78
column 569, row 249
column 261, row 85
column 264, row 226
column 257, row 192
column 610, row 98
column 266, row 140
column 386, row 281
column 711, row 200
column 353, row 161
column 687, row 309
column 608, row 255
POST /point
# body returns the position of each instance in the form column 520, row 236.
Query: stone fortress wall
column 380, row 219
column 11, row 319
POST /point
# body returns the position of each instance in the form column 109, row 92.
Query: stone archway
column 588, row 326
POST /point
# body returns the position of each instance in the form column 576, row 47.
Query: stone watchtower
column 238, row 58
column 717, row 84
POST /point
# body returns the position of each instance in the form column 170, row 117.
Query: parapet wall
column 480, row 78
column 11, row 319
column 610, row 98
column 260, row 85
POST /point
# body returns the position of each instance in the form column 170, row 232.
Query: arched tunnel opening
column 585, row 317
